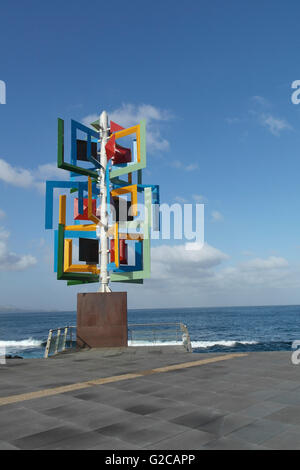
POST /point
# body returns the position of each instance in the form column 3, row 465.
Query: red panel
column 110, row 147
column 114, row 127
column 112, row 251
column 83, row 216
column 123, row 251
column 122, row 155
column 118, row 153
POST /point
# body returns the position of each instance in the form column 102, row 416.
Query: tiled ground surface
column 251, row 402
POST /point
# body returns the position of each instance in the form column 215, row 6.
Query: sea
column 220, row 329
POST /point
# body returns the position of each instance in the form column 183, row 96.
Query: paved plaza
column 151, row 398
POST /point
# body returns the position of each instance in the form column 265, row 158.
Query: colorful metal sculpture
column 108, row 205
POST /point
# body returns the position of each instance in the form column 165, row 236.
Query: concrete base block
column 102, row 320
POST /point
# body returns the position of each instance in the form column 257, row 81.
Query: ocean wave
column 153, row 343
column 22, row 344
column 224, row 343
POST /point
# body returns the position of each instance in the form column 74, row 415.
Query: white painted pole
column 103, row 225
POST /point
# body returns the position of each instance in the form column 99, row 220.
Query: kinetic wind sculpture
column 106, row 186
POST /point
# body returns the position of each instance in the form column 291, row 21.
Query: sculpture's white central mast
column 103, row 224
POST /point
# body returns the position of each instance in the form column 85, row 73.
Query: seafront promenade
column 151, row 398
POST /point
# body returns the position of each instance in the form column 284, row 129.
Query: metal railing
column 153, row 333
column 59, row 340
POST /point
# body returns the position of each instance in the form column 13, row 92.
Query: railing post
column 186, row 338
column 71, row 337
column 48, row 344
column 65, row 339
column 57, row 341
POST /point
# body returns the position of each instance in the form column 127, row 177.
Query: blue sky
column 214, row 81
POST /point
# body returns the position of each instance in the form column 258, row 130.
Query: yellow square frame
column 131, row 130
column 132, row 189
column 76, row 268
column 62, row 218
column 91, row 216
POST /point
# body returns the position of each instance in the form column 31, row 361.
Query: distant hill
column 12, row 309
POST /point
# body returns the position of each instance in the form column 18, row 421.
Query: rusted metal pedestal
column 102, row 320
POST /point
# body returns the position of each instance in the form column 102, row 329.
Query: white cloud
column 261, row 273
column 179, row 165
column 128, row 115
column 192, row 167
column 181, row 200
column 216, row 216
column 176, row 164
column 247, row 253
column 2, row 214
column 262, row 116
column 15, row 175
column 177, row 262
column 182, row 278
column 4, row 234
column 155, row 142
column 233, row 120
column 199, row 198
column 10, row 261
column 273, row 124
column 50, row 171
column 27, row 178
column 87, row 120
column 273, row 262
column 181, row 262
column 260, row 100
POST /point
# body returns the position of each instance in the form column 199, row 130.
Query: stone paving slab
column 249, row 402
